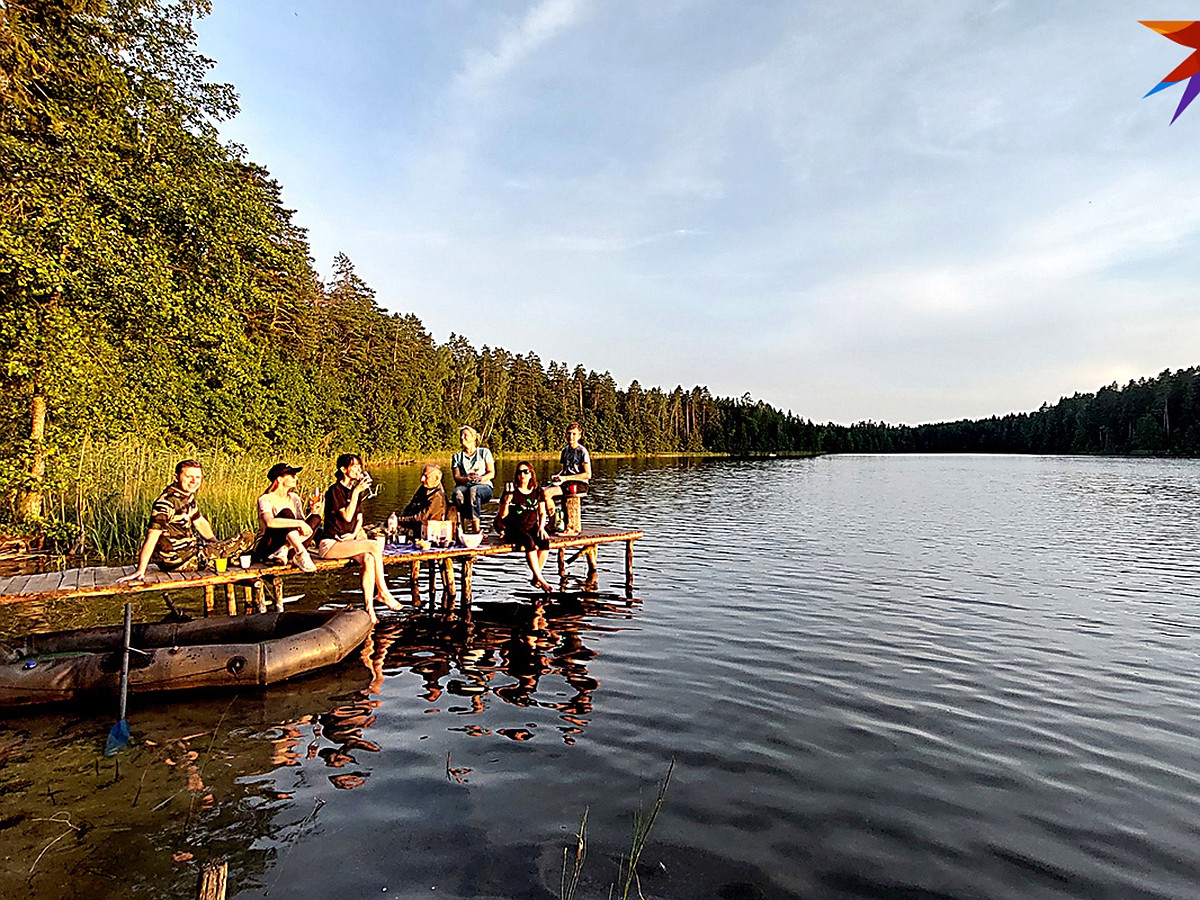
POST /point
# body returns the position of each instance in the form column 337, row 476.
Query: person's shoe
column 304, row 562
column 280, row 556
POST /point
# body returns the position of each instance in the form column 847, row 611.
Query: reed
column 105, row 497
column 643, row 822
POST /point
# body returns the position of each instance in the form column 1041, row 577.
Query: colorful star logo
column 1188, row 34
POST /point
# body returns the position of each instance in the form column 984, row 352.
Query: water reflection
column 501, row 650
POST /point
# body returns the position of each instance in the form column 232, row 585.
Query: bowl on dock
column 470, row 541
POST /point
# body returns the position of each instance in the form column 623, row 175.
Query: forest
column 154, row 288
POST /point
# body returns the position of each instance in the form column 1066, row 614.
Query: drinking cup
column 221, row 563
column 509, row 487
column 244, row 561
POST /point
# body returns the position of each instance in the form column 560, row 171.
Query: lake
column 877, row 676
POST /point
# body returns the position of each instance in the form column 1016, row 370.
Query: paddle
column 118, row 736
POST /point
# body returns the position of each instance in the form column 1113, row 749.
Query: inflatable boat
column 224, row 652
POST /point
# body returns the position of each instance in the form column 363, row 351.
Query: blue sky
column 903, row 211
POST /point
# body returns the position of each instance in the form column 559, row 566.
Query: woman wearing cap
column 343, row 536
column 282, row 530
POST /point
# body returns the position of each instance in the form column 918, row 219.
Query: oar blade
column 118, row 738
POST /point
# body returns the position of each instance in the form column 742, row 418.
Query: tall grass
column 643, row 823
column 108, row 490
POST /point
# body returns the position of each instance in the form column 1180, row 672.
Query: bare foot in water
column 538, row 582
column 390, row 602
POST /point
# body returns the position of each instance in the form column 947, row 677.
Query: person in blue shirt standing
column 474, row 469
column 575, row 473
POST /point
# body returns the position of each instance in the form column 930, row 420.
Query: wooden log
column 212, row 880
column 248, row 596
column 562, row 563
column 468, row 566
column 448, row 576
column 231, row 598
column 277, row 584
column 629, row 565
column 572, row 503
column 414, row 581
column 210, row 591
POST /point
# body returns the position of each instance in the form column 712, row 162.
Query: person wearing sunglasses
column 523, row 513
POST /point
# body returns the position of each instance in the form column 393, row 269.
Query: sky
column 893, row 211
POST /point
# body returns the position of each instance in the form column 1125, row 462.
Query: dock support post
column 592, row 574
column 573, row 505
column 629, row 567
column 468, row 566
column 231, row 598
column 248, row 596
column 209, row 600
column 448, row 576
column 277, row 584
column 562, row 564
column 260, row 596
column 212, row 881
column 414, row 577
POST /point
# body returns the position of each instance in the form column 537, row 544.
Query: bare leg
column 535, row 566
column 381, row 577
column 368, row 584
column 365, row 552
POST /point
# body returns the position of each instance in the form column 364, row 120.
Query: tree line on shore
column 154, row 285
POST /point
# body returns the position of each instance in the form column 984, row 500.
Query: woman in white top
column 473, row 468
column 282, row 530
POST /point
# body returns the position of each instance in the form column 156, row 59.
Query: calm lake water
column 878, row 676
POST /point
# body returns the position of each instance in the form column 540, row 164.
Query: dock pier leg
column 231, row 598
column 210, row 592
column 260, row 596
column 629, row 568
column 414, row 579
column 468, row 566
column 573, row 507
column 593, row 577
column 277, row 590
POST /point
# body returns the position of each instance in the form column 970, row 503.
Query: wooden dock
column 257, row 580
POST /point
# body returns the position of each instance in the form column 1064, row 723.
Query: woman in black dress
column 522, row 515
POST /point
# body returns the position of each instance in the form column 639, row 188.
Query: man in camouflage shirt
column 176, row 523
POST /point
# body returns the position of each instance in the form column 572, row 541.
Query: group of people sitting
column 180, row 538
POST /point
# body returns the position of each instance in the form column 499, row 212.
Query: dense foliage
column 1147, row 417
column 153, row 285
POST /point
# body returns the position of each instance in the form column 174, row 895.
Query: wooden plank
column 17, row 585
column 39, row 584
column 87, row 578
column 108, row 575
column 70, row 580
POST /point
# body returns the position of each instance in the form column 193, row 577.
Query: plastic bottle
column 393, row 525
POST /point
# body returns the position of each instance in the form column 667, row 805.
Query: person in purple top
column 575, row 472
